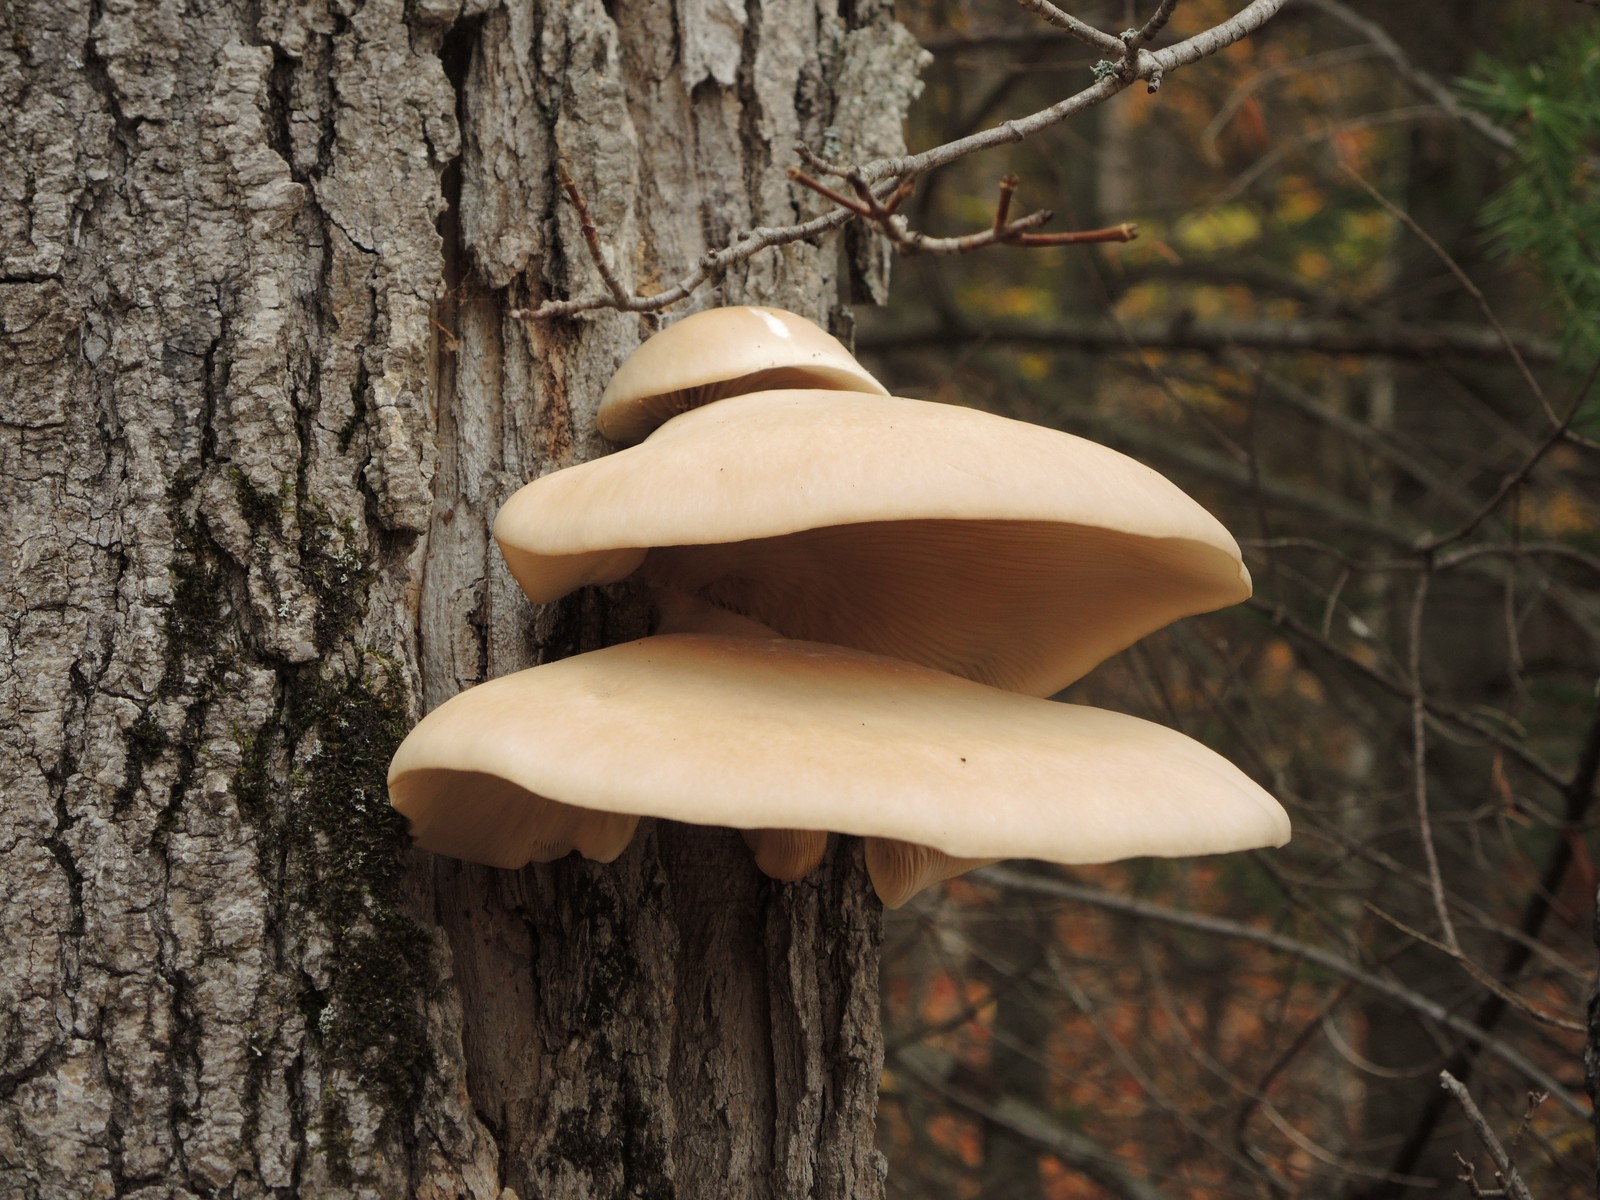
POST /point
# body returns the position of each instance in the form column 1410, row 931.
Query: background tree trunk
column 261, row 400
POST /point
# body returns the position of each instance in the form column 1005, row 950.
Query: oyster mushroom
column 723, row 352
column 1004, row 552
column 938, row 773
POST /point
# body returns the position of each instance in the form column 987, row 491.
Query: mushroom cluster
column 861, row 602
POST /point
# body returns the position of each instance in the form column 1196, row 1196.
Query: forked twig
column 1130, row 62
column 1505, row 1169
column 1488, row 982
column 591, row 235
column 1002, row 230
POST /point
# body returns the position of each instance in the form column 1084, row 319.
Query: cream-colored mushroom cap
column 1011, row 554
column 723, row 352
column 770, row 734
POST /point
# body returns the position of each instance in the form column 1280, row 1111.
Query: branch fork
column 1127, row 60
column 1003, row 231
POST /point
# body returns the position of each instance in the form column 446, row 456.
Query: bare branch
column 1419, row 767
column 1085, row 33
column 1505, row 1170
column 1146, row 1082
column 1418, row 79
column 1479, row 975
column 591, row 235
column 1443, row 563
column 1465, row 281
column 1002, row 230
column 1081, row 1153
column 1156, row 23
column 1458, row 718
column 1236, row 28
column 1519, row 550
column 1111, row 77
column 1222, row 927
column 1518, row 477
column 713, row 264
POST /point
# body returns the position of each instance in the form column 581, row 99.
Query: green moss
column 198, row 655
column 336, row 1140
column 329, row 847
column 345, row 842
column 253, row 791
column 644, row 1146
column 195, row 617
column 256, row 1046
column 328, row 843
column 335, row 575
column 262, row 513
column 146, row 741
column 634, row 1148
column 146, row 738
column 575, row 1141
column 358, row 409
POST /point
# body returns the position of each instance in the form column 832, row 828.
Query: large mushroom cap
column 723, row 352
column 1004, row 552
column 758, row 734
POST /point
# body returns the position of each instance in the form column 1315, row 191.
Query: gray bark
column 260, row 402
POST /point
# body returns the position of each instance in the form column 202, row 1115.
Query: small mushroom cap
column 1008, row 553
column 761, row 734
column 723, row 352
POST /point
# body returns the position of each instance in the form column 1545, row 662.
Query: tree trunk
column 261, row 401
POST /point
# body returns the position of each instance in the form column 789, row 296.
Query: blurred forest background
column 1359, row 324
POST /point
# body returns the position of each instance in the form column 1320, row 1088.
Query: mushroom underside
column 768, row 735
column 1027, row 606
column 493, row 820
column 634, row 421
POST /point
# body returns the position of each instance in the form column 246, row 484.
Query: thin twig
column 1450, row 716
column 1156, row 23
column 1419, row 767
column 591, row 235
column 1579, row 796
column 1464, row 280
column 1505, row 1170
column 1519, row 550
column 828, row 193
column 1002, row 231
column 1419, row 79
column 1084, row 32
column 1444, row 562
column 823, row 166
column 1039, row 1128
column 1515, row 480
column 1002, row 206
column 1222, row 927
column 1309, row 335
column 750, row 242
column 1150, row 66
column 1488, row 982
column 1146, row 1082
column 1124, row 232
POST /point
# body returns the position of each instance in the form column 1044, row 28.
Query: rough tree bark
column 261, row 399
